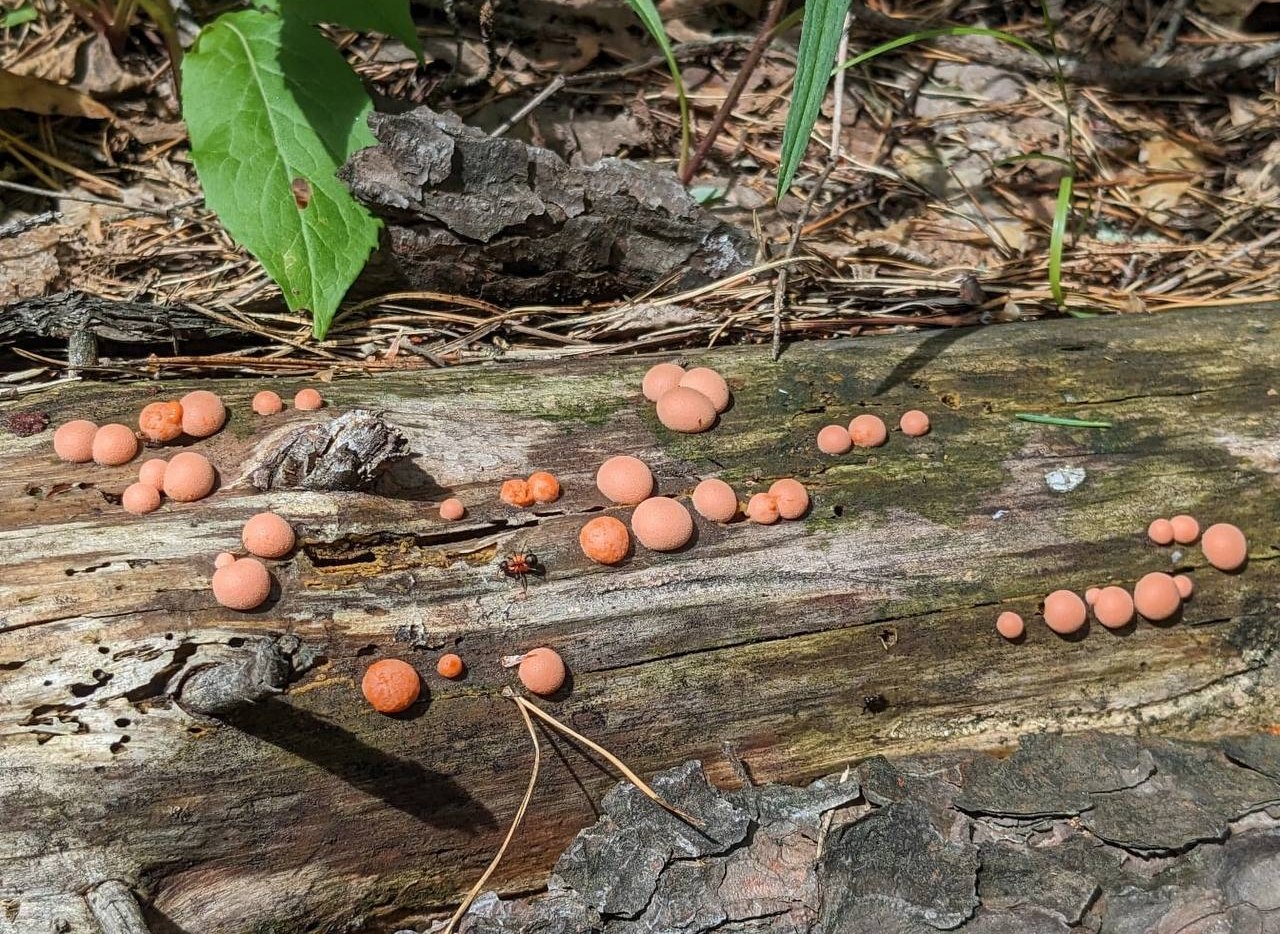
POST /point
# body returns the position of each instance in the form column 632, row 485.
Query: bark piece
column 513, row 223
column 68, row 313
column 349, row 452
column 897, row 857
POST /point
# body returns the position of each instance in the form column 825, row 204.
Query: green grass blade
column 11, row 18
column 819, row 39
column 927, row 34
column 1060, row 213
column 648, row 15
column 1056, row 420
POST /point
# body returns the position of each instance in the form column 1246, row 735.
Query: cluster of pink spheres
column 687, row 401
column 1156, row 596
column 869, row 431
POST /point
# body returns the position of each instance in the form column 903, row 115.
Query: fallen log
column 223, row 767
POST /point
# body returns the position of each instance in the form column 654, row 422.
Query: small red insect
column 520, row 565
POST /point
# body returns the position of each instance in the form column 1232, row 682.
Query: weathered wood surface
column 309, row 810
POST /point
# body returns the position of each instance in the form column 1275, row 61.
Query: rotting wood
column 307, row 808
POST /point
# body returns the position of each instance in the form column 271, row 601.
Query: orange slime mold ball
column 390, row 685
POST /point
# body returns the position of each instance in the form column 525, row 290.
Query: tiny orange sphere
column 834, row 439
column 140, row 499
column 1156, row 596
column 914, row 424
column 1160, row 531
column 1113, row 608
column 114, row 445
column 516, row 492
column 542, row 671
column 543, row 487
column 152, row 472
column 1010, row 625
column 203, row 413
column 242, row 585
column 1185, row 529
column 390, row 685
column 1091, row 595
column 268, row 536
column 73, row 441
column 161, row 421
column 868, row 431
column 1224, row 546
column 451, row 510
column 450, row 666
column 605, row 540
column 223, row 559
column 189, row 477
column 308, row 400
column 1186, row 586
column 715, row 500
column 1064, row 612
column 792, row 497
column 659, row 378
column 267, row 403
column 763, row 508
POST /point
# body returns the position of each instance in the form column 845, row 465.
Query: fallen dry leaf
column 36, row 95
column 1164, row 155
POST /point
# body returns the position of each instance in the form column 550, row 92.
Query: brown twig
column 748, row 68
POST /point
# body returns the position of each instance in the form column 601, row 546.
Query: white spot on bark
column 1065, row 479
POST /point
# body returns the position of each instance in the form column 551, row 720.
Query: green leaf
column 390, row 17
column 23, row 14
column 273, row 111
column 819, row 40
column 1056, row 237
column 648, row 15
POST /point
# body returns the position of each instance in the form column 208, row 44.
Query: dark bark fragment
column 69, row 314
column 348, row 453
column 513, row 223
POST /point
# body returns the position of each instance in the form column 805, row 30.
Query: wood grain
column 308, row 811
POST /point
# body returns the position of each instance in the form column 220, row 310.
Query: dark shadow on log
column 413, row 789
column 929, row 350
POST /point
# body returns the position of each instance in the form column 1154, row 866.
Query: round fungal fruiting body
column 267, row 403
column 223, row 559
column 710, row 383
column 140, row 499
column 662, row 524
column 203, row 413
column 161, row 421
column 1160, row 531
column 834, row 439
column 914, row 424
column 1064, row 612
column 625, row 480
column 450, row 666
column 242, row 585
column 1186, row 586
column 451, row 510
column 73, row 441
column 715, row 500
column 868, row 431
column 605, row 540
column 792, row 497
column 516, row 493
column 686, row 410
column 308, row 400
column 189, row 477
column 390, row 685
column 542, row 671
column 1010, row 625
column 543, row 487
column 1224, row 546
column 1156, row 596
column 763, row 509
column 1185, row 529
column 268, row 536
column 1113, row 608
column 660, row 378
column 114, row 445
column 1091, row 595
column 152, row 472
